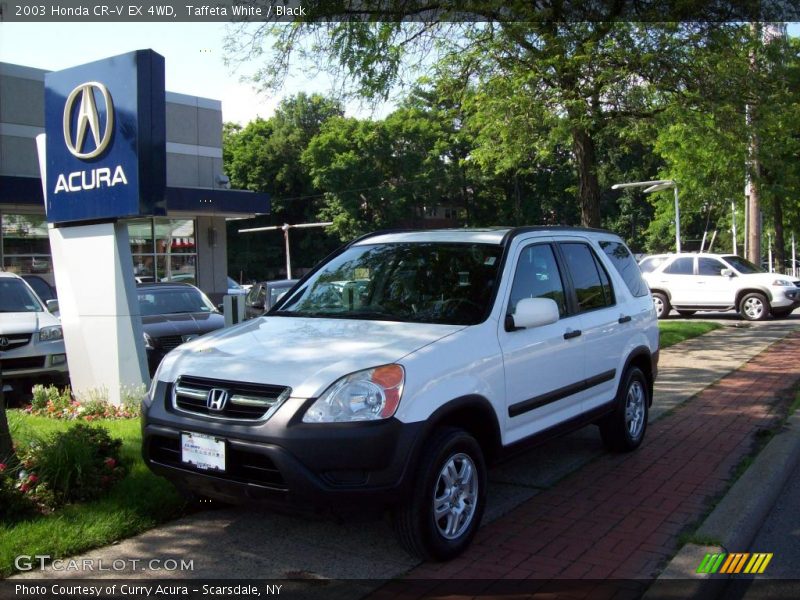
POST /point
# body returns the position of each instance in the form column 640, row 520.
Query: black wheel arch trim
column 652, row 358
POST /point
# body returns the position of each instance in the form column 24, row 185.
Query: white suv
column 31, row 342
column 692, row 282
column 397, row 369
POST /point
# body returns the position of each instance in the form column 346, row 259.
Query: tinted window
column 156, row 301
column 681, row 266
column 742, row 265
column 15, row 296
column 425, row 282
column 592, row 286
column 651, row 263
column 626, row 266
column 537, row 276
column 709, row 266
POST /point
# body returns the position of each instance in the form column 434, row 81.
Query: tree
column 264, row 156
column 588, row 73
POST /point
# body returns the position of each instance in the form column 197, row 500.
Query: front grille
column 16, row 340
column 169, row 342
column 29, row 362
column 241, row 466
column 243, row 401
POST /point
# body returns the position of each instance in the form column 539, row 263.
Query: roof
column 488, row 235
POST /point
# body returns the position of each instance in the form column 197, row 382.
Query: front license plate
column 203, row 451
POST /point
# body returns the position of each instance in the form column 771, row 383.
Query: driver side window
column 537, row 276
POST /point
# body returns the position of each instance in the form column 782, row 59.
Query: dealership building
column 188, row 243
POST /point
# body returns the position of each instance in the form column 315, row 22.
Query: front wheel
column 661, row 304
column 623, row 430
column 445, row 507
column 754, row 307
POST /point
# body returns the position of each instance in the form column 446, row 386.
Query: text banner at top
column 398, row 10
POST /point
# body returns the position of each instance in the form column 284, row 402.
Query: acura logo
column 217, row 398
column 88, row 119
column 3, row 342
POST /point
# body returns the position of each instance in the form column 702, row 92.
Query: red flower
column 24, row 488
column 33, row 478
column 110, row 462
column 2, row 467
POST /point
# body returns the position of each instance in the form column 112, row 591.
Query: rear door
column 604, row 324
column 544, row 366
column 678, row 279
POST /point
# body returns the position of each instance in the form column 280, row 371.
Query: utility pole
column 752, row 183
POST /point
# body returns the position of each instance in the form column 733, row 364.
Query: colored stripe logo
column 735, row 563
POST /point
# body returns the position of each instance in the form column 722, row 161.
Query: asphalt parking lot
column 253, row 543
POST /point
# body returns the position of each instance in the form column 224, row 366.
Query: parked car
column 31, row 339
column 397, row 369
column 694, row 282
column 264, row 295
column 173, row 313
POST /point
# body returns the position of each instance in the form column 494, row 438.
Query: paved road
column 246, row 543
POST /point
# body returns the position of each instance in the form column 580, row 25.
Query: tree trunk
column 6, row 446
column 588, row 186
column 780, row 243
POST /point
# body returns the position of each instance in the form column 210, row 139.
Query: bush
column 79, row 464
column 14, row 504
column 92, row 405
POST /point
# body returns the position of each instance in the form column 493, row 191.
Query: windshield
column 173, row 301
column 15, row 296
column 416, row 282
column 743, row 266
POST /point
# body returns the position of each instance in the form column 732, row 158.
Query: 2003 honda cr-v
column 404, row 363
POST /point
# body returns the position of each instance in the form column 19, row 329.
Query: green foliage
column 71, row 466
column 53, row 402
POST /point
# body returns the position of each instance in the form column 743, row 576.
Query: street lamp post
column 285, row 228
column 657, row 186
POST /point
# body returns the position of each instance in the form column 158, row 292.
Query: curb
column 736, row 520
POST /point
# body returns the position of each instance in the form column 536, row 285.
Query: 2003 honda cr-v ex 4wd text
column 403, row 364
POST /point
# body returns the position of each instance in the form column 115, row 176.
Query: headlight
column 783, row 283
column 148, row 342
column 368, row 395
column 49, row 334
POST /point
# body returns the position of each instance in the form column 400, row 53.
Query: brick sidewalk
column 619, row 517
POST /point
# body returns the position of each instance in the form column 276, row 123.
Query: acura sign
column 106, row 149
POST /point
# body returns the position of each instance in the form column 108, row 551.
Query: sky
column 193, row 55
column 194, row 60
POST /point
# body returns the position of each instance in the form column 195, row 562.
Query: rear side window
column 626, row 266
column 681, row 266
column 592, row 286
column 651, row 263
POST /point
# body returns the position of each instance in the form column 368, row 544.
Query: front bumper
column 285, row 462
column 786, row 297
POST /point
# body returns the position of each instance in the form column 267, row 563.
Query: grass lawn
column 673, row 332
column 137, row 503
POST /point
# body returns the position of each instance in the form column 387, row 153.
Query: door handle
column 572, row 334
column 625, row 319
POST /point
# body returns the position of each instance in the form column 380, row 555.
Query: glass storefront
column 25, row 245
column 162, row 249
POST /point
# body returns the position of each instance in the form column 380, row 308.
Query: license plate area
column 205, row 452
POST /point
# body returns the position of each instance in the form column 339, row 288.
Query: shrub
column 69, row 466
column 14, row 504
column 93, row 404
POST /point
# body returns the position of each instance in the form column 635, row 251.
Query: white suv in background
column 692, row 282
column 398, row 368
column 31, row 342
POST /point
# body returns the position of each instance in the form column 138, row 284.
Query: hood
column 25, row 322
column 305, row 354
column 181, row 324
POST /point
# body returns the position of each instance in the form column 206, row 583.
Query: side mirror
column 259, row 304
column 221, row 308
column 52, row 305
column 534, row 312
column 727, row 272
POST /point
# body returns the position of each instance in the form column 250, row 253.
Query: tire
column 661, row 303
column 781, row 313
column 624, row 429
column 450, row 454
column 754, row 307
column 686, row 313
